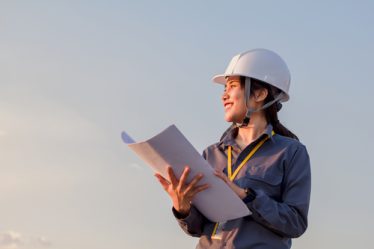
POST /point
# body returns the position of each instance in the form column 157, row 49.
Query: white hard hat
column 260, row 64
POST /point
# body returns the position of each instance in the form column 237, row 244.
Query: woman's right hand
column 179, row 191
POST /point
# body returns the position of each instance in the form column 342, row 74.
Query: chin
column 230, row 119
column 233, row 118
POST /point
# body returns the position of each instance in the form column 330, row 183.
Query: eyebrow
column 231, row 82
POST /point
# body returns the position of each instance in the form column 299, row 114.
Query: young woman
column 261, row 160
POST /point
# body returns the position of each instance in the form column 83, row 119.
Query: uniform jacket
column 279, row 173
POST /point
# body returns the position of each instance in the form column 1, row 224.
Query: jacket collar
column 228, row 137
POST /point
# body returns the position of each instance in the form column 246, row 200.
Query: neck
column 250, row 133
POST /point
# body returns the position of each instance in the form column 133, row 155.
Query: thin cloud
column 43, row 241
column 10, row 240
column 15, row 240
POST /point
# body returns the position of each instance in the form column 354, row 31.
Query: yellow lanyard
column 232, row 176
column 229, row 161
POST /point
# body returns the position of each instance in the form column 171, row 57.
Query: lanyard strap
column 232, row 175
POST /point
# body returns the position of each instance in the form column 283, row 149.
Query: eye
column 233, row 84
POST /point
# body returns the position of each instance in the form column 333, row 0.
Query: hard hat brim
column 220, row 79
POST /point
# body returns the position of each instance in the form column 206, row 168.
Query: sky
column 75, row 74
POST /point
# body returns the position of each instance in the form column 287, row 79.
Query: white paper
column 170, row 148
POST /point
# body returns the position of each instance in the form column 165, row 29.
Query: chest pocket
column 267, row 178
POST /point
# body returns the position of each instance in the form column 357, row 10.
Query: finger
column 184, row 176
column 224, row 176
column 172, row 177
column 198, row 189
column 193, row 183
column 218, row 172
column 161, row 178
column 165, row 183
column 221, row 176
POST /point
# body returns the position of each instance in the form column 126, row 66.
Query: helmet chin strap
column 247, row 92
column 250, row 111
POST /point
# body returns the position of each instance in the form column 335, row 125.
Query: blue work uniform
column 279, row 174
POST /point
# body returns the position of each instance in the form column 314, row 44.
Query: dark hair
column 271, row 113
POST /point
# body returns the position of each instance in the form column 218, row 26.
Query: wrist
column 184, row 211
column 243, row 193
column 250, row 195
column 180, row 215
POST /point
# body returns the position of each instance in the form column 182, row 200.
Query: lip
column 227, row 105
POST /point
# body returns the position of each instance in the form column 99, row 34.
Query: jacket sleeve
column 288, row 216
column 193, row 224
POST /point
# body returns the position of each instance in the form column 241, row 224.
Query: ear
column 261, row 94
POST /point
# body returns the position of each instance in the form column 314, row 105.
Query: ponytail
column 271, row 114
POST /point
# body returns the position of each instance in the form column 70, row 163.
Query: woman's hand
column 179, row 191
column 239, row 191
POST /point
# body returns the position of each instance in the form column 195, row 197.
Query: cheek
column 239, row 98
column 240, row 107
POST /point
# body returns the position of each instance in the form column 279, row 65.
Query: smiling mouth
column 227, row 105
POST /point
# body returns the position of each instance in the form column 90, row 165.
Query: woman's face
column 233, row 100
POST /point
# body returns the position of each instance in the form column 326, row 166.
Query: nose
column 224, row 96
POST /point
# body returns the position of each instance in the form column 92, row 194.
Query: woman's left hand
column 239, row 191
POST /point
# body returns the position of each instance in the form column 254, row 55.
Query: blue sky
column 74, row 74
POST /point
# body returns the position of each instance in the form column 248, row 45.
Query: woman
column 261, row 160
